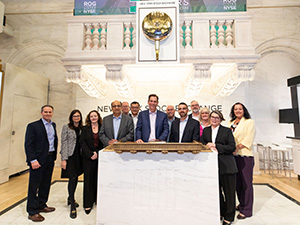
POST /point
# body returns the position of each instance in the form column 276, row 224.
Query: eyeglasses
column 115, row 106
column 215, row 118
column 76, row 115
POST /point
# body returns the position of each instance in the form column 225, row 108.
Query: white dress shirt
column 214, row 133
column 182, row 125
column 152, row 117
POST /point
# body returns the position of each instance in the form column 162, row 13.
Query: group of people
column 80, row 145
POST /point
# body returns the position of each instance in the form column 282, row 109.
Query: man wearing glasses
column 125, row 108
column 135, row 109
column 186, row 129
column 116, row 127
column 195, row 110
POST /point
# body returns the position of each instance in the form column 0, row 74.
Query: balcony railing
column 205, row 39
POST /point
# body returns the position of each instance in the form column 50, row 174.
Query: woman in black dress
column 90, row 144
column 71, row 160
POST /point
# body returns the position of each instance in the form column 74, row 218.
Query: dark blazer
column 87, row 142
column 225, row 145
column 36, row 142
column 191, row 115
column 191, row 131
column 143, row 126
column 125, row 132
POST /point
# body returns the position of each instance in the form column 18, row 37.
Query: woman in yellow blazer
column 243, row 128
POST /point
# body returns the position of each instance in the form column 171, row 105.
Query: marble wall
column 21, row 105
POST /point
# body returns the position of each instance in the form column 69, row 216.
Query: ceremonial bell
column 157, row 26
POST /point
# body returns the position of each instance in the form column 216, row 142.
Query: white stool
column 279, row 156
column 262, row 150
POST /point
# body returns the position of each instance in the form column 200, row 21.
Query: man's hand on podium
column 139, row 141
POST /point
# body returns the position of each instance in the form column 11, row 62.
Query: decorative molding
column 202, row 71
column 122, row 84
column 124, row 88
column 195, row 83
column 288, row 45
column 113, row 72
column 87, row 79
column 73, row 74
column 37, row 48
column 245, row 72
column 193, row 88
column 226, row 84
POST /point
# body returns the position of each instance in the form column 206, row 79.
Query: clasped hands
column 212, row 146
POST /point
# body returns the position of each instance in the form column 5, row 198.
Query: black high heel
column 87, row 211
column 73, row 213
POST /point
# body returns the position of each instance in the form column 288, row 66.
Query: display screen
column 121, row 7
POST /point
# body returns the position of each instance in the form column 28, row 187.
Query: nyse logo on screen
column 229, row 4
column 89, row 7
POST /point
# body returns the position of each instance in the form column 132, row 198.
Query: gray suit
column 125, row 132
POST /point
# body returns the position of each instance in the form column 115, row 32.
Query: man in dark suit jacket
column 41, row 151
column 195, row 107
column 116, row 127
column 152, row 124
column 221, row 140
column 186, row 129
column 171, row 117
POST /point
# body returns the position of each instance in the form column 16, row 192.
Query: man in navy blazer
column 152, row 124
column 185, row 129
column 41, row 151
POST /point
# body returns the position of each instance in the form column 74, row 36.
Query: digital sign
column 123, row 7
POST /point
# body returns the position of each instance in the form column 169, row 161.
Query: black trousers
column 227, row 185
column 39, row 186
column 90, row 171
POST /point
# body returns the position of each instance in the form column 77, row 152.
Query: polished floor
column 272, row 205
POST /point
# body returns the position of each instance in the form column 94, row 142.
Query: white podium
column 158, row 189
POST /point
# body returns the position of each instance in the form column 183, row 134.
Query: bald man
column 171, row 117
column 125, row 108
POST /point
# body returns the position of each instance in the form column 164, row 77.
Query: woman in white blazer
column 71, row 160
column 243, row 128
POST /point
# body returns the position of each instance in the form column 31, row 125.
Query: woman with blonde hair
column 204, row 119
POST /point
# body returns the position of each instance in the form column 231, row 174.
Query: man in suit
column 152, row 124
column 125, row 108
column 41, row 151
column 186, row 129
column 116, row 127
column 195, row 107
column 135, row 109
column 171, row 117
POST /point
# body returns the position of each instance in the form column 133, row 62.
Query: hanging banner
column 121, row 7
